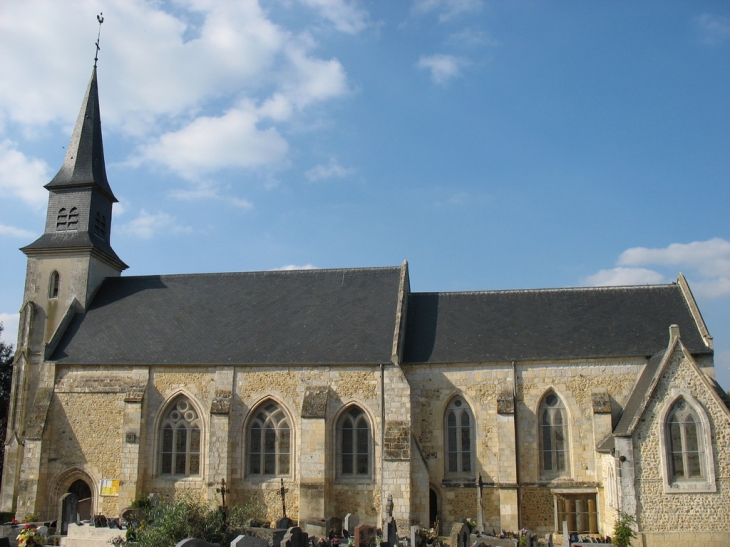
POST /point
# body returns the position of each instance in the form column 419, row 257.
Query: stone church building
column 570, row 404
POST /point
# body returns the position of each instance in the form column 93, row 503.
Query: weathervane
column 99, row 18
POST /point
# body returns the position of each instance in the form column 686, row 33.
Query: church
column 520, row 408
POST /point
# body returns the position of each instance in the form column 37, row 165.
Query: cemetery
column 150, row 524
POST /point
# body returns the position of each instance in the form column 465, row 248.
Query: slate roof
column 546, row 324
column 278, row 317
column 639, row 396
column 84, row 162
column 72, row 240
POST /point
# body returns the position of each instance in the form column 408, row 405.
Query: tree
column 6, row 379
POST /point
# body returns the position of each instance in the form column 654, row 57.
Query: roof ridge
column 552, row 290
column 263, row 272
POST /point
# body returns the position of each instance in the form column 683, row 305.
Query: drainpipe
column 517, row 446
column 382, row 436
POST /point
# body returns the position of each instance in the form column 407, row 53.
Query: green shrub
column 173, row 520
column 142, row 501
column 623, row 531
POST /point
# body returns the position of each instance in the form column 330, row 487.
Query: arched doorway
column 433, row 508
column 82, row 491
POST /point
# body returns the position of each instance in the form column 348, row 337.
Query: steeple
column 80, row 199
column 84, row 162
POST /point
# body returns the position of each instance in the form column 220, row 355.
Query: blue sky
column 494, row 145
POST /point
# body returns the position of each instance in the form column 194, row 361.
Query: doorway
column 82, row 491
column 433, row 509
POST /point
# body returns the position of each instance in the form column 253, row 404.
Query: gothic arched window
column 54, row 285
column 553, row 431
column 685, row 446
column 269, row 441
column 459, row 435
column 354, row 444
column 180, row 439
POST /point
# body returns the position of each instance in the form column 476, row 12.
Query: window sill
column 690, row 487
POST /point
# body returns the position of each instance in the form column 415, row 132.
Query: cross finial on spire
column 99, row 18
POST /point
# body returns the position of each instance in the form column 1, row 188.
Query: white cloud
column 345, row 16
column 15, row 232
column 211, row 143
column 210, row 192
column 624, row 276
column 714, row 29
column 295, row 267
column 147, row 225
column 473, row 38
column 199, row 97
column 10, row 327
column 710, row 258
column 22, row 177
column 706, row 264
column 332, row 169
column 443, row 67
column 447, row 9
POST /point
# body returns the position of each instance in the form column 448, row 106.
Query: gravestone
column 416, row 538
column 284, row 523
column 195, row 542
column 249, row 541
column 4, row 542
column 294, row 537
column 333, row 525
column 459, row 536
column 67, row 511
column 350, row 523
column 100, row 521
column 390, row 528
column 365, row 535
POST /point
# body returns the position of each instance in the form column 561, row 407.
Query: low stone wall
column 683, row 539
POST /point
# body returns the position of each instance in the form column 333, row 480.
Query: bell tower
column 66, row 266
column 70, row 260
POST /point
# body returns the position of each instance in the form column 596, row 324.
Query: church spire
column 84, row 163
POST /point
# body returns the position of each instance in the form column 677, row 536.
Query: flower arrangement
column 429, row 534
column 471, row 523
column 117, row 541
column 29, row 536
column 322, row 542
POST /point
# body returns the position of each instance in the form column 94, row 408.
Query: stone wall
column 689, row 512
column 487, row 388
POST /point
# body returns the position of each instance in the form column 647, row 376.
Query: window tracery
column 180, row 438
